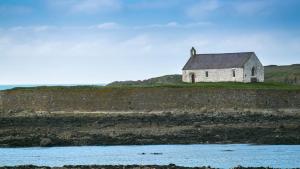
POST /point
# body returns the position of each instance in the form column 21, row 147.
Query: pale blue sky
column 99, row 41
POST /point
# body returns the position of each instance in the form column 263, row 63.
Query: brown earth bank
column 127, row 128
column 170, row 166
column 126, row 116
column 145, row 99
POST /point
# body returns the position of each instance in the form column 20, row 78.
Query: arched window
column 253, row 71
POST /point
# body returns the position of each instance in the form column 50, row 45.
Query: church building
column 223, row 67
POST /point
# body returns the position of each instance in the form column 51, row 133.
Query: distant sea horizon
column 11, row 86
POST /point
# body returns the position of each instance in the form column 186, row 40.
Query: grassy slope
column 219, row 85
column 285, row 74
column 276, row 77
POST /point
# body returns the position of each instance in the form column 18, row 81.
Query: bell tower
column 193, row 51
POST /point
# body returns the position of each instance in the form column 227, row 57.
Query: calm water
column 222, row 156
column 5, row 87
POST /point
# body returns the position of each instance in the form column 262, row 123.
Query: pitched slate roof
column 217, row 61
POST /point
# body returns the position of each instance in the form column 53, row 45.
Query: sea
column 214, row 155
column 5, row 87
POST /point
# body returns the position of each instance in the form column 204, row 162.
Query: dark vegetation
column 142, row 128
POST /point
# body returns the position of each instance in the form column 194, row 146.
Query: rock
column 156, row 153
column 45, row 142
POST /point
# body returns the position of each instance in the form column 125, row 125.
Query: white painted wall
column 214, row 75
column 259, row 70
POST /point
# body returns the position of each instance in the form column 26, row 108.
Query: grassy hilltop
column 289, row 74
column 276, row 77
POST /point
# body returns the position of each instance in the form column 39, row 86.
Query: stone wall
column 214, row 75
column 145, row 99
column 259, row 69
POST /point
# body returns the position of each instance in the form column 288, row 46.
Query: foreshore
column 133, row 128
column 76, row 116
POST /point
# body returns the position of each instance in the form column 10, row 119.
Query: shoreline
column 170, row 166
column 156, row 115
column 92, row 129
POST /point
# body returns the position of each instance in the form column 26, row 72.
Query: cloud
column 202, row 8
column 83, row 55
column 153, row 4
column 86, row 6
column 39, row 28
column 251, row 7
column 108, row 25
column 243, row 8
column 173, row 25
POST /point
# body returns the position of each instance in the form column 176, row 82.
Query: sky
column 100, row 41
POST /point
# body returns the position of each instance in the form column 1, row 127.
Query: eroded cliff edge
column 161, row 115
column 145, row 99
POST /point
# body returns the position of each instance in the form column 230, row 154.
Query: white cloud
column 251, row 7
column 171, row 25
column 38, row 28
column 206, row 8
column 108, row 25
column 86, row 6
column 96, row 56
column 153, row 4
column 202, row 8
column 167, row 25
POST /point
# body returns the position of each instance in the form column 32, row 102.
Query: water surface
column 5, row 87
column 215, row 155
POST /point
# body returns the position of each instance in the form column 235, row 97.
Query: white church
column 223, row 67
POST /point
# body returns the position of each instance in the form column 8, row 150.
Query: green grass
column 219, row 85
column 285, row 74
column 79, row 87
column 276, row 77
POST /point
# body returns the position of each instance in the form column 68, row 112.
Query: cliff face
column 145, row 99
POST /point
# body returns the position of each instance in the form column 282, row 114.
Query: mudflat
column 127, row 128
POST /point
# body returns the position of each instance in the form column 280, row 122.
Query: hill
column 167, row 79
column 285, row 74
column 289, row 74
